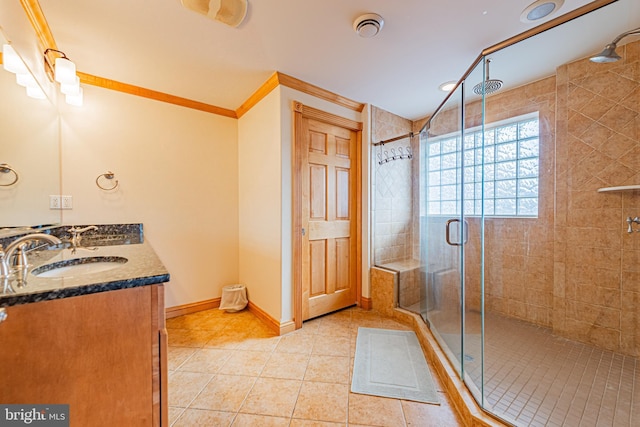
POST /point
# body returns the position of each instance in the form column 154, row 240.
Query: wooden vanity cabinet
column 104, row 354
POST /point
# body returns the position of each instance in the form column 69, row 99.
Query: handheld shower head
column 488, row 85
column 609, row 53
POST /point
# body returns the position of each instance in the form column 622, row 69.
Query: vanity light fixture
column 12, row 62
column 61, row 69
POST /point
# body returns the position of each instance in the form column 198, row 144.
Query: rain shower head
column 488, row 85
column 609, row 53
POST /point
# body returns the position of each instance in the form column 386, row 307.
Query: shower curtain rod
column 386, row 141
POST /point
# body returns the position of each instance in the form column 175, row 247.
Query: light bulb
column 11, row 61
column 26, row 80
column 65, row 71
column 71, row 88
column 75, row 100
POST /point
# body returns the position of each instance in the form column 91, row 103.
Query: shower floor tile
column 533, row 377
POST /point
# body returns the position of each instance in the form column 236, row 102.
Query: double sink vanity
column 82, row 323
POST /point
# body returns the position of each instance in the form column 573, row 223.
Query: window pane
column 506, row 152
column 469, row 207
column 507, row 133
column 528, row 206
column 469, row 174
column 528, row 168
column 506, row 189
column 489, row 137
column 448, row 208
column 489, row 154
column 502, row 162
column 468, row 157
column 434, row 193
column 434, row 178
column 449, row 145
column 528, row 129
column 489, row 190
column 448, row 177
column 448, row 192
column 528, row 187
column 506, row 170
column 489, row 172
column 434, row 163
column 505, row 207
column 529, row 148
column 469, row 141
column 449, row 161
column 489, row 207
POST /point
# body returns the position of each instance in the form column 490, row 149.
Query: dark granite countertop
column 143, row 267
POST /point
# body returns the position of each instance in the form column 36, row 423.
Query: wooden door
column 329, row 216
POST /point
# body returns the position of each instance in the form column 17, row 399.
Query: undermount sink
column 79, row 266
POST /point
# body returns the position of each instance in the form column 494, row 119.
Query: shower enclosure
column 522, row 226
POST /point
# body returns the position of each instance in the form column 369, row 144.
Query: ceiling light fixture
column 230, row 12
column 61, row 69
column 540, row 9
column 12, row 62
column 368, row 25
column 448, row 86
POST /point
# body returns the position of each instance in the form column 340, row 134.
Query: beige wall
column 392, row 189
column 260, row 204
column 177, row 170
column 597, row 273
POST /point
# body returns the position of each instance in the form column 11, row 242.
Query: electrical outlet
column 67, row 202
column 54, row 202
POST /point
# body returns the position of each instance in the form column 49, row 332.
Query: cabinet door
column 93, row 352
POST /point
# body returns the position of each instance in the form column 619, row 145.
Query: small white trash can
column 234, row 298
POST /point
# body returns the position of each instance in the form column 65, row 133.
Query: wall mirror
column 29, row 143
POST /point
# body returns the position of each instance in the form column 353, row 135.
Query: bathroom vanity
column 92, row 337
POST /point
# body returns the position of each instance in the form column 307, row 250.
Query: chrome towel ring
column 6, row 168
column 109, row 176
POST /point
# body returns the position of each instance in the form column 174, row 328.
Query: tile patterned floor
column 229, row 369
column 535, row 378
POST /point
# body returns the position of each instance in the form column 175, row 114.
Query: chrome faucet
column 76, row 236
column 17, row 248
column 630, row 222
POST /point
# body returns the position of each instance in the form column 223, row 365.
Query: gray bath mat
column 390, row 363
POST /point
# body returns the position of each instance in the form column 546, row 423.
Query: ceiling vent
column 368, row 25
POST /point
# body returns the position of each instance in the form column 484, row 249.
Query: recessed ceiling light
column 448, row 86
column 540, row 9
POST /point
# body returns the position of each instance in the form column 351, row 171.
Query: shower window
column 505, row 162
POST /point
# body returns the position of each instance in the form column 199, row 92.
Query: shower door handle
column 465, row 232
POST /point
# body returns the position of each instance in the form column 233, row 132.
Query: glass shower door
column 443, row 227
column 452, row 229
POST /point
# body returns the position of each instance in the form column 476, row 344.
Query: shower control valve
column 630, row 222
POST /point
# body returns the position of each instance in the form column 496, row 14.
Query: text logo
column 34, row 415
